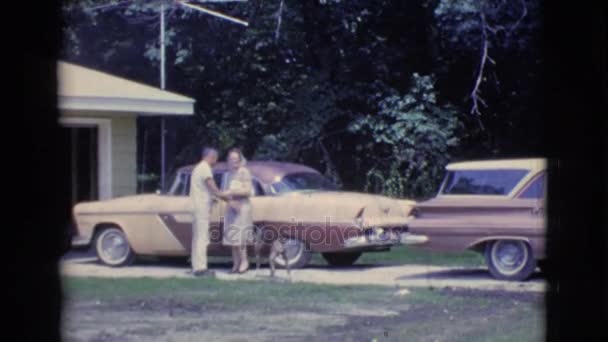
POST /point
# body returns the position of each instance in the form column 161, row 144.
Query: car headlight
column 377, row 234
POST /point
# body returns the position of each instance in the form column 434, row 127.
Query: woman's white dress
column 238, row 223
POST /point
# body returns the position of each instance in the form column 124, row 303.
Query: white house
column 101, row 110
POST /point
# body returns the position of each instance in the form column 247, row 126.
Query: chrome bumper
column 362, row 241
column 80, row 241
column 413, row 239
column 384, row 238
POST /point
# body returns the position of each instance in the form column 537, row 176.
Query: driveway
column 85, row 264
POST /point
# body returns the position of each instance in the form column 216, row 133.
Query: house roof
column 82, row 88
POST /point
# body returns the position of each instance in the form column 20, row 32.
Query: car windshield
column 304, row 181
column 482, row 182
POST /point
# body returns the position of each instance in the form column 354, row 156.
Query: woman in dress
column 238, row 220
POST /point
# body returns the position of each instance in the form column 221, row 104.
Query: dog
column 277, row 248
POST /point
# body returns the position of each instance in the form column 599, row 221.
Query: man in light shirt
column 202, row 191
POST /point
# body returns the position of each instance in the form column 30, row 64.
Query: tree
column 411, row 137
column 294, row 83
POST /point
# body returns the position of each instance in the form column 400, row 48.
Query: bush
column 413, row 135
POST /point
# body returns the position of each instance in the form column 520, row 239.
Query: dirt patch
column 458, row 314
column 175, row 319
column 438, row 315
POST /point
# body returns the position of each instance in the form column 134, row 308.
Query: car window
column 536, row 189
column 187, row 184
column 482, row 182
column 181, row 184
column 303, row 181
column 186, row 181
column 257, row 187
column 280, row 187
column 259, row 191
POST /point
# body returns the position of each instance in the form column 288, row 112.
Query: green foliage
column 509, row 22
column 314, row 104
column 302, row 92
column 412, row 135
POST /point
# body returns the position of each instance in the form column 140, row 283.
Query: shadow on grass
column 464, row 273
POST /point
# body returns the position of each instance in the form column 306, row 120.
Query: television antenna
column 193, row 5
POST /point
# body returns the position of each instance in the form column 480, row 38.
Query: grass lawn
column 206, row 309
column 411, row 255
column 400, row 255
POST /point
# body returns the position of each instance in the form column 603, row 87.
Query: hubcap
column 509, row 256
column 114, row 247
column 293, row 249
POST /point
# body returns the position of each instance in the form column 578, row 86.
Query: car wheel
column 298, row 254
column 113, row 248
column 510, row 259
column 341, row 259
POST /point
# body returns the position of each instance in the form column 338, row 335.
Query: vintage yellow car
column 293, row 200
column 493, row 207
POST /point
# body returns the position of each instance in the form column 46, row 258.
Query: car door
column 175, row 211
column 535, row 194
column 218, row 211
column 216, row 224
